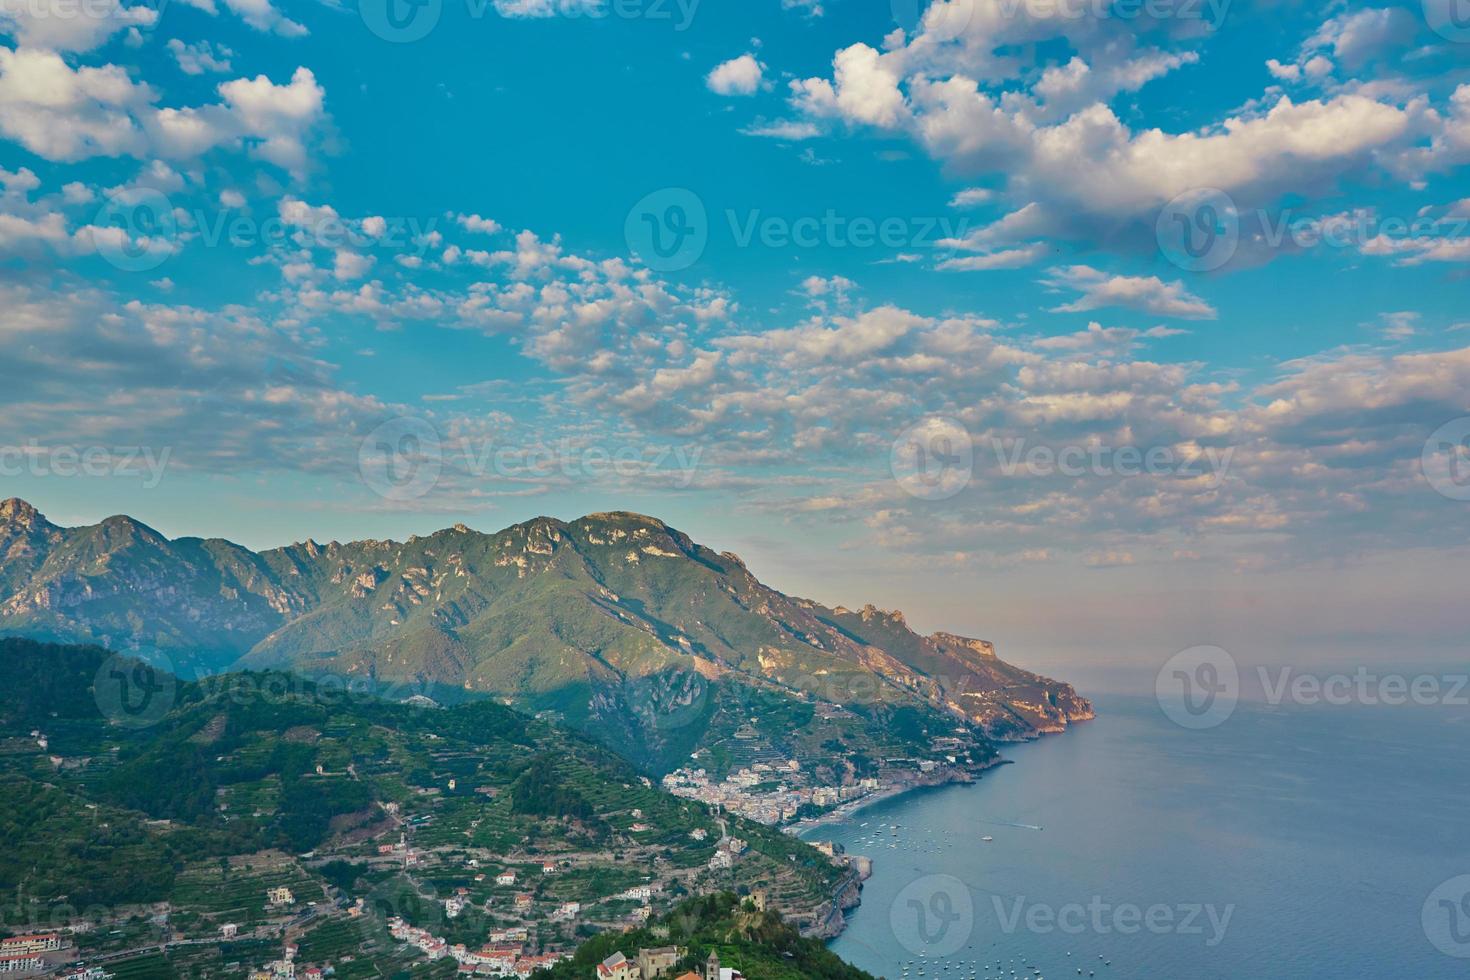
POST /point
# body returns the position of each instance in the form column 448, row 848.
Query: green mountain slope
column 253, row 780
column 620, row 624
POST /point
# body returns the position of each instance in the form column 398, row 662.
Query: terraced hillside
column 164, row 828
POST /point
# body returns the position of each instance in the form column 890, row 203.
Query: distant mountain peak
column 19, row 512
column 125, row 525
column 623, row 516
column 871, row 612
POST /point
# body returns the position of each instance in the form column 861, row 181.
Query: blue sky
column 277, row 275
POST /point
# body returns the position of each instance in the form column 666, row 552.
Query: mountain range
column 616, row 623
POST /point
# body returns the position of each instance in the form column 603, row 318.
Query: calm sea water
column 1291, row 842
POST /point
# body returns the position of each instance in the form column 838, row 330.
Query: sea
column 1292, row 841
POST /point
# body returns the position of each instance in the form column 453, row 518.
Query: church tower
column 712, row 966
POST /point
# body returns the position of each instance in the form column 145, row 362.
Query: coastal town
column 779, row 792
column 764, row 793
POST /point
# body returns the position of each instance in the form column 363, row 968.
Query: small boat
column 987, row 839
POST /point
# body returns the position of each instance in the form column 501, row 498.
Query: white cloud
column 21, row 181
column 200, row 58
column 520, row 9
column 475, row 223
column 67, row 114
column 793, row 130
column 971, row 196
column 1287, row 73
column 349, row 265
column 1098, row 337
column 959, row 86
column 18, row 233
column 1356, row 37
column 1068, row 88
column 1147, row 293
column 259, row 14
column 809, row 8
column 66, row 26
column 864, row 89
column 738, row 76
column 64, row 114
column 1399, row 325
column 1009, row 258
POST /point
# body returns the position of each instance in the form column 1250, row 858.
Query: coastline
column 951, row 777
column 848, row 895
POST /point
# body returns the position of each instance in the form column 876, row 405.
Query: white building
column 21, row 963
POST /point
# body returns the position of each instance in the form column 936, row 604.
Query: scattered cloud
column 738, row 76
column 1149, row 294
column 201, row 57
